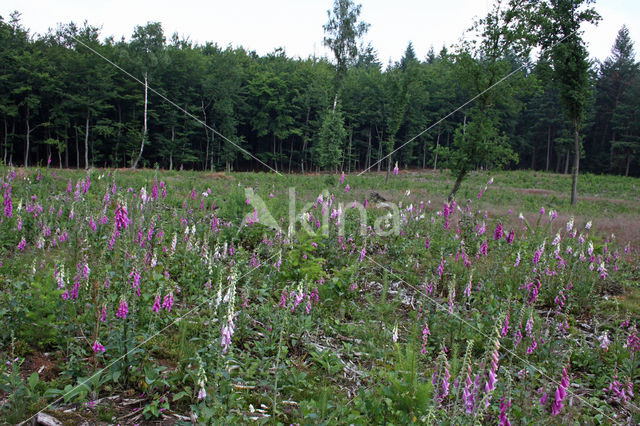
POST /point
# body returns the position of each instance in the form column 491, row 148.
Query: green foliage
column 331, row 140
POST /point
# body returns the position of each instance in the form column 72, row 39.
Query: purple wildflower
column 503, row 412
column 123, row 309
column 156, row 304
column 425, row 333
column 561, row 393
column 505, row 327
column 122, row 217
column 497, row 234
column 227, row 332
column 167, row 303
column 97, row 347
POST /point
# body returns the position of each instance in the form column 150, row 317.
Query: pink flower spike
column 97, row 347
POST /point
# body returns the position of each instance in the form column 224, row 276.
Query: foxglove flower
column 604, row 341
column 561, row 393
column 122, row 217
column 425, row 333
column 492, row 379
column 504, row 421
column 467, row 394
column 497, row 234
column 123, row 309
column 505, row 327
column 97, row 347
column 167, row 303
column 156, row 304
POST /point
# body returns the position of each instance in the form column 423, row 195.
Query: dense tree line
column 62, row 102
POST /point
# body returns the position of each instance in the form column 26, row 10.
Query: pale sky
column 296, row 25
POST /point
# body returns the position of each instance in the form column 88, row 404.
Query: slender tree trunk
column 456, row 186
column 77, row 148
column 548, row 147
column 576, row 161
column 533, row 157
column 626, row 170
column 350, row 147
column 304, row 150
column 389, row 159
column 275, row 158
column 290, row 154
column 566, row 162
column 86, row 142
column 118, row 135
column 424, row 155
column 435, row 160
column 26, row 151
column 213, row 142
column 66, row 147
column 144, row 130
column 613, row 138
column 367, row 162
column 6, row 141
column 379, row 151
column 173, row 138
column 13, row 132
column 206, row 133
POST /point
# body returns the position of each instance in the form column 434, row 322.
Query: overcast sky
column 296, row 25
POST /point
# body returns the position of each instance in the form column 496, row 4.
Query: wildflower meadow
column 192, row 297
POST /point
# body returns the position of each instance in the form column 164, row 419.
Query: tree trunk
column 275, row 158
column 213, row 142
column 548, row 147
column 576, row 161
column 435, row 160
column 304, row 149
column 206, row 133
column 386, row 175
column 379, row 152
column 144, row 130
column 566, row 162
column 456, row 187
column 26, row 151
column 533, row 157
column 118, row 135
column 6, row 141
column 290, row 154
column 367, row 161
column 386, row 178
column 86, row 142
column 173, row 138
column 626, row 170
